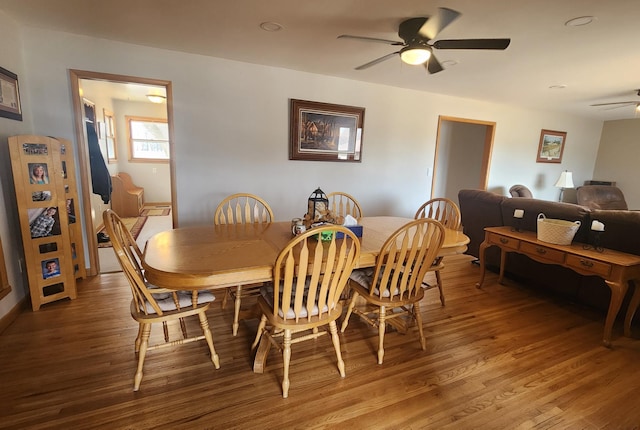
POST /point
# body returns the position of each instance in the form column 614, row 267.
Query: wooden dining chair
column 448, row 213
column 393, row 288
column 151, row 304
column 241, row 208
column 309, row 275
column 342, row 204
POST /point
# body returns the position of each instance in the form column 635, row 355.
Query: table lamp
column 565, row 181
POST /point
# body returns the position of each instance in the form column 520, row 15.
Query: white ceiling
column 596, row 63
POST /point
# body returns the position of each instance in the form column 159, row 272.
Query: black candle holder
column 594, row 241
column 517, row 224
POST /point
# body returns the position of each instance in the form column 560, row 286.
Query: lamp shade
column 565, row 180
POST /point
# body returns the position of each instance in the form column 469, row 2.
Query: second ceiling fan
column 417, row 46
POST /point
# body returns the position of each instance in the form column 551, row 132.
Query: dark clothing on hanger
column 100, row 176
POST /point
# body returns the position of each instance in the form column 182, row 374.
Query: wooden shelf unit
column 44, row 221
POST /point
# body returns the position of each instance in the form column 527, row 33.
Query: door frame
column 486, row 155
column 83, row 152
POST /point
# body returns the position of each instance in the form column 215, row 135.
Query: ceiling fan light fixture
column 415, row 54
column 156, row 98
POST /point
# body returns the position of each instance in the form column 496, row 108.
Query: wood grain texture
column 503, row 357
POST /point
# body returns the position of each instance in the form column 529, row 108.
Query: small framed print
column 551, row 146
column 9, row 95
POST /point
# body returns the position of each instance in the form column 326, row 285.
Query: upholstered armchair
column 520, row 191
column 601, row 197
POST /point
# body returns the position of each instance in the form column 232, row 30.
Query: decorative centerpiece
column 318, row 211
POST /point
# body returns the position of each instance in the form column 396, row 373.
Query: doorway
column 463, row 156
column 91, row 210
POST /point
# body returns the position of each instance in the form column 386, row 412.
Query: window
column 110, row 136
column 148, row 139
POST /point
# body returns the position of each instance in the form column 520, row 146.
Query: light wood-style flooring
column 502, row 357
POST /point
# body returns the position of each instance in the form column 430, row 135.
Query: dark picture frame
column 10, row 106
column 551, row 146
column 325, row 131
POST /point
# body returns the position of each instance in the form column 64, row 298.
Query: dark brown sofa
column 480, row 209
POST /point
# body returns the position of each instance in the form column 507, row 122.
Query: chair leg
column 146, row 330
column 138, row 338
column 261, row 326
column 204, row 323
column 352, row 303
column 286, row 358
column 236, row 311
column 227, row 293
column 381, row 329
column 333, row 328
column 439, row 282
column 418, row 317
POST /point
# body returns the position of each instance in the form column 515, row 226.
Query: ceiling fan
column 417, row 46
column 616, row 105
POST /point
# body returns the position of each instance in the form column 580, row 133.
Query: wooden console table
column 616, row 268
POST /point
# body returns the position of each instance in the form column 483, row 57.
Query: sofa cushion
column 479, row 209
column 555, row 210
column 621, row 229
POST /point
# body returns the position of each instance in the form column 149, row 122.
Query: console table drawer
column 505, row 242
column 596, row 267
column 550, row 254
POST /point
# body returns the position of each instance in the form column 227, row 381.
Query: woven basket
column 556, row 231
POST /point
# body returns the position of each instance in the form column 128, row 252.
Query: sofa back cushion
column 555, row 210
column 479, row 209
column 621, row 229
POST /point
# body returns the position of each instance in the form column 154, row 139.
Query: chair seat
column 166, row 303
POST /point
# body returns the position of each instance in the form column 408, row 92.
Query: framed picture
column 325, row 132
column 551, row 146
column 50, row 268
column 9, row 95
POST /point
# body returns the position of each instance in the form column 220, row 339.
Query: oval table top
column 220, row 256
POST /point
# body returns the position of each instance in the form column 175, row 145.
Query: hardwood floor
column 497, row 358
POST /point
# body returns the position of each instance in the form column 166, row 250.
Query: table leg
column 618, row 290
column 633, row 306
column 481, row 251
column 503, row 263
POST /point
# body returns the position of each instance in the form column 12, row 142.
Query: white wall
column 12, row 60
column 618, row 158
column 231, row 128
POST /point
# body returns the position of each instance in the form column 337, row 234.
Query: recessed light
column 449, row 63
column 557, row 87
column 580, row 21
column 270, row 26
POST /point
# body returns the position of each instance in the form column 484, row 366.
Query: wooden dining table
column 219, row 256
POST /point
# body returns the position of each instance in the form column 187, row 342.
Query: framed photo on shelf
column 551, row 146
column 325, row 132
column 9, row 95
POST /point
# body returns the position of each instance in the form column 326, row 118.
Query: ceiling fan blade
column 376, row 61
column 616, row 103
column 433, row 65
column 371, row 39
column 439, row 21
column 498, row 44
